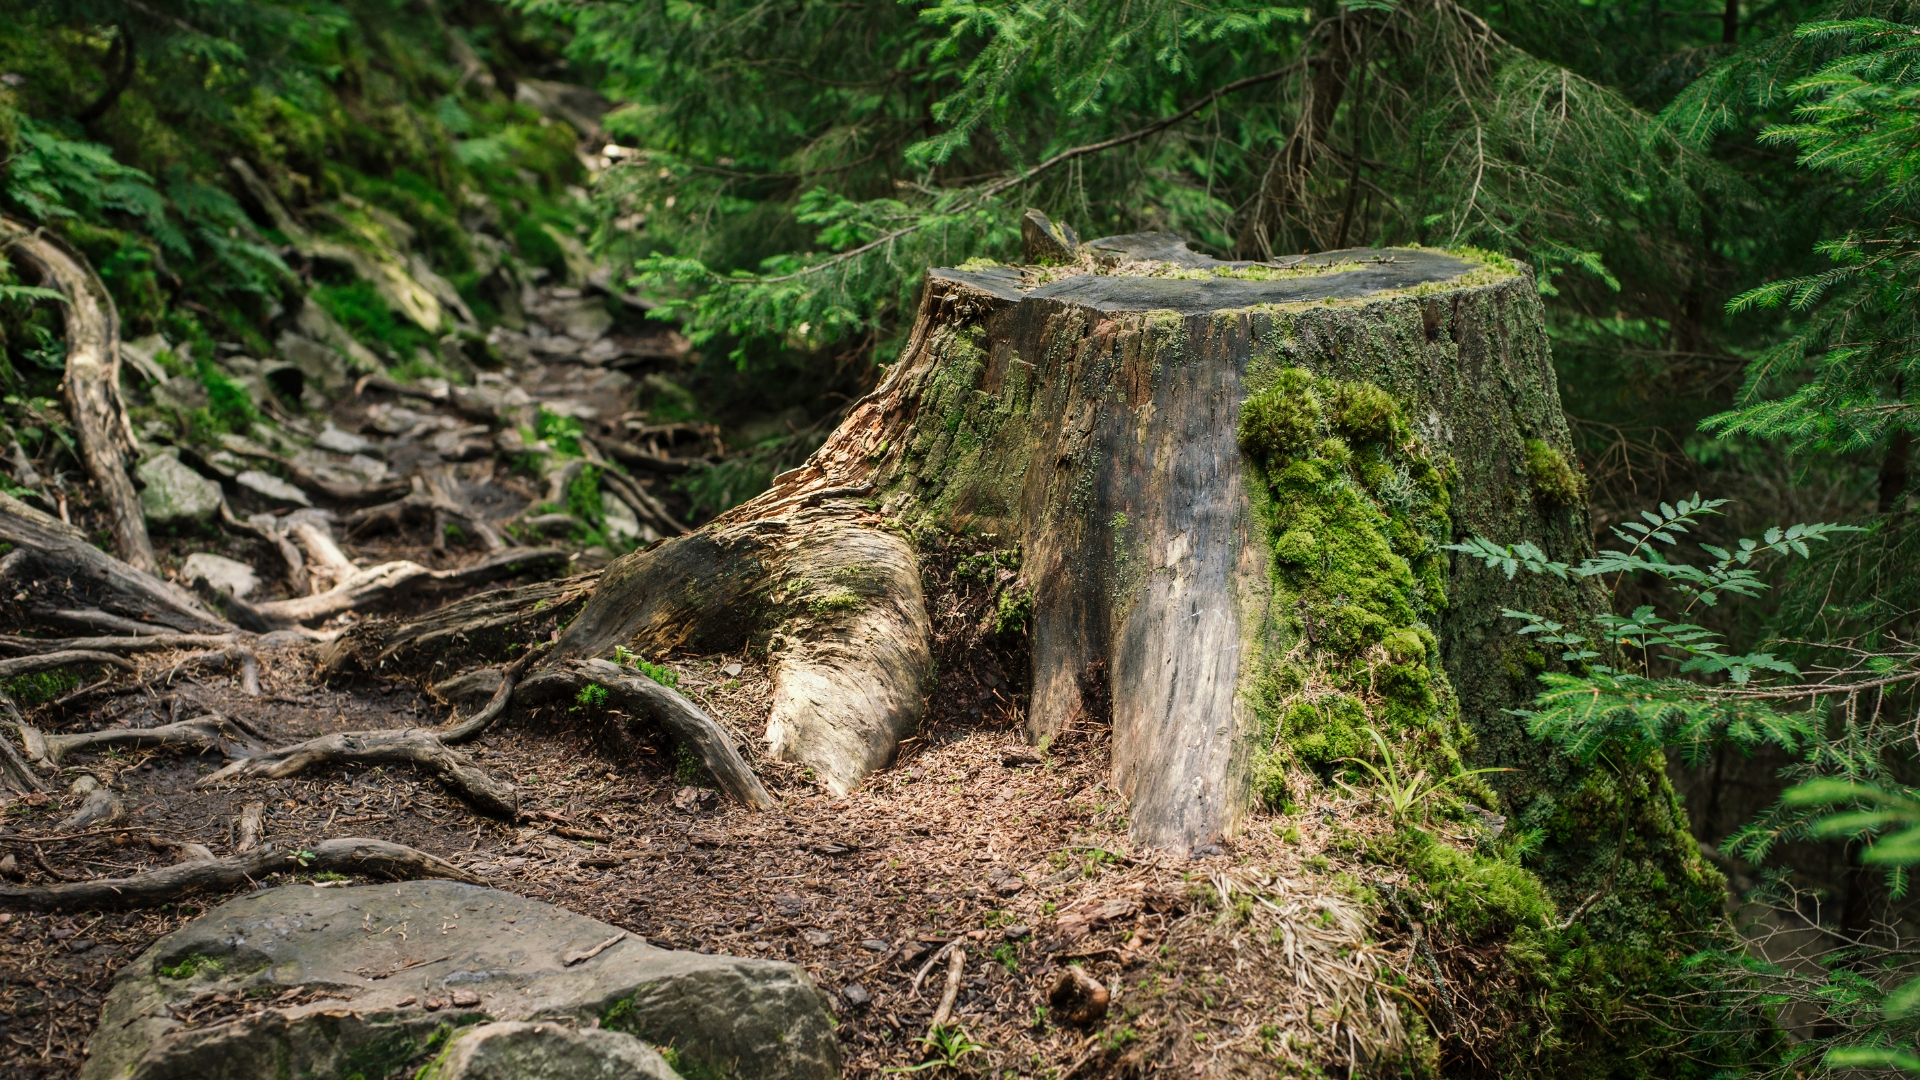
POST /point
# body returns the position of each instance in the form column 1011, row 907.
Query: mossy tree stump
column 1228, row 484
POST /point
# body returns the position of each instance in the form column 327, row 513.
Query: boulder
column 301, row 981
column 517, row 1050
column 172, row 492
column 226, row 575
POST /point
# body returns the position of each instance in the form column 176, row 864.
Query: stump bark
column 1090, row 415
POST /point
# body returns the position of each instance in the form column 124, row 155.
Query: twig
column 956, row 963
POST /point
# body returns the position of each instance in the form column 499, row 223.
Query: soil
column 1019, row 857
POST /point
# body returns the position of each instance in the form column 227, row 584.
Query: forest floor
column 1019, row 858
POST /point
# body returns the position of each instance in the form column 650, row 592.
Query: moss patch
column 1355, row 511
column 1554, row 479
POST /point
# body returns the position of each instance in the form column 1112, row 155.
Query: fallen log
column 355, row 855
column 93, row 379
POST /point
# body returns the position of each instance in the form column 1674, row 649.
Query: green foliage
column 189, row 966
column 1405, row 793
column 39, row 687
column 591, row 697
column 1476, row 895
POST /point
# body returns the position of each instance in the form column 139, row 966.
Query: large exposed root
column 416, row 745
column 842, row 605
column 353, row 855
column 93, row 379
column 634, row 694
column 52, row 566
column 481, row 628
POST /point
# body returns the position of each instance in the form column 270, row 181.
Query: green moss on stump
column 1554, row 479
column 1356, row 512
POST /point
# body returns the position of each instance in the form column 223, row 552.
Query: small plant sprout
column 1405, row 794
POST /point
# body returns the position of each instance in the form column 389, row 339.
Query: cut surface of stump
column 1226, row 486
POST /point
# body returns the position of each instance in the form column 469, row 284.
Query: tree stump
column 1228, row 485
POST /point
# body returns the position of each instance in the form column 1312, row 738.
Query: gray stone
column 272, row 487
column 181, row 392
column 219, row 572
column 584, row 319
column 379, row 969
column 323, row 365
column 173, row 492
column 342, row 442
column 517, row 1050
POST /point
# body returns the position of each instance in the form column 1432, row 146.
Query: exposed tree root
column 365, row 588
column 841, row 603
column 53, row 560
column 634, row 694
column 247, row 827
column 16, row 776
column 482, row 628
column 24, row 665
column 353, row 855
column 93, row 379
column 230, row 737
column 416, row 745
column 27, row 646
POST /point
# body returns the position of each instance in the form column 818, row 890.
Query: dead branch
column 355, row 855
column 956, row 965
column 416, row 745
column 634, row 694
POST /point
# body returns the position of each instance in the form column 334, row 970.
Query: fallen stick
column 25, row 665
column 354, row 855
column 416, row 745
column 956, row 963
column 635, row 694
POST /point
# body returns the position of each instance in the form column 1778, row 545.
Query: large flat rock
column 301, row 981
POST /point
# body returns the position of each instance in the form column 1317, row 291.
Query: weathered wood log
column 353, row 855
column 93, row 379
column 1228, row 486
column 637, row 696
column 52, row 565
column 22, row 665
column 26, row 646
column 484, row 628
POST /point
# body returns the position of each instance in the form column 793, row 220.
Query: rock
column 173, row 492
column 323, row 365
column 272, row 487
column 366, row 992
column 1078, row 997
column 856, row 995
column 584, row 319
column 183, row 394
column 343, row 442
column 619, row 518
column 230, row 576
column 142, row 354
column 517, row 1050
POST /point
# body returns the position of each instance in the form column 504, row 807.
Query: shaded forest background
column 772, row 179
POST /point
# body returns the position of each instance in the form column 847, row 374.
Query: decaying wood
column 54, row 565
column 637, row 696
column 16, row 776
column 209, row 732
column 355, row 855
column 1086, row 416
column 93, row 379
column 956, row 966
column 418, row 746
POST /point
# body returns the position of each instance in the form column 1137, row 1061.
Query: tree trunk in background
column 1089, row 416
